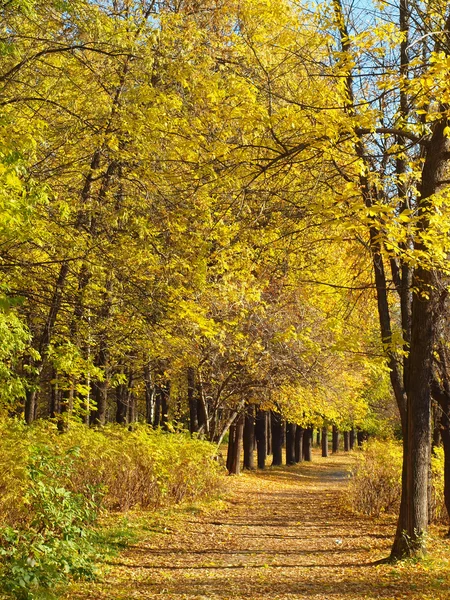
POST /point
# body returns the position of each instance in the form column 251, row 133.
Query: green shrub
column 53, row 543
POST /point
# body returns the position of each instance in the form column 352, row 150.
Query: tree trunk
column 192, row 400
column 100, row 387
column 277, row 439
column 325, row 442
column 234, row 464
column 269, row 433
column 335, row 439
column 66, row 410
column 149, row 394
column 132, row 409
column 261, row 437
column 230, row 447
column 157, row 411
column 346, row 441
column 398, row 379
column 55, row 397
column 318, row 440
column 299, row 444
column 98, row 416
column 249, row 437
column 436, row 419
column 360, row 437
column 352, row 438
column 419, row 415
column 290, row 443
column 430, row 293
column 307, row 444
column 202, row 409
column 30, row 405
column 121, row 404
column 165, row 398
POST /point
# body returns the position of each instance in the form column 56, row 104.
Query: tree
column 400, row 232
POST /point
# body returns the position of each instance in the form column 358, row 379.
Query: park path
column 282, row 535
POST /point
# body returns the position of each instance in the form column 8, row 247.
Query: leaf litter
column 282, row 533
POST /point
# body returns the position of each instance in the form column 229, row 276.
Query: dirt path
column 282, row 536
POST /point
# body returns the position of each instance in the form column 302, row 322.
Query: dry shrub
column 119, row 469
column 375, row 485
column 438, row 501
column 146, row 468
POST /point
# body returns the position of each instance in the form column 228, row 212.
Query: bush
column 53, row 542
column 144, row 468
column 138, row 469
column 437, row 472
column 375, row 485
column 53, row 486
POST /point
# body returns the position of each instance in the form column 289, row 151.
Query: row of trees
column 268, row 433
column 207, row 206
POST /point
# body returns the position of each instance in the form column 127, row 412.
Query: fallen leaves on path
column 283, row 534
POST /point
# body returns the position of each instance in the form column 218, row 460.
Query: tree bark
column 325, row 442
column 121, row 404
column 234, row 463
column 360, row 437
column 249, row 437
column 277, row 439
column 269, row 433
column 132, row 408
column 202, row 409
column 100, row 387
column 55, row 397
column 307, row 444
column 149, row 394
column 157, row 408
column 261, row 437
column 335, row 439
column 192, row 400
column 352, row 438
column 165, row 398
column 430, row 293
column 230, row 447
column 299, row 444
column 436, row 420
column 31, row 396
column 419, row 422
column 63, row 418
column 290, row 443
column 346, row 441
column 399, row 380
column 98, row 416
column 30, row 405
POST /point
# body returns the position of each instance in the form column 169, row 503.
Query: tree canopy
column 210, row 205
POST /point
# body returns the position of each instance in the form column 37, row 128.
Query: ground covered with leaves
column 282, row 533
